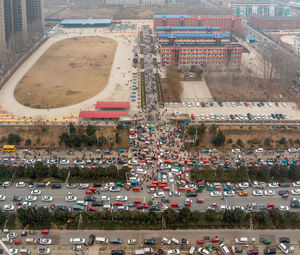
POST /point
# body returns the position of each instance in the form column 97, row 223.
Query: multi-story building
column 296, row 45
column 141, row 2
column 35, row 15
column 2, row 30
column 243, row 8
column 225, row 23
column 275, row 23
column 183, row 41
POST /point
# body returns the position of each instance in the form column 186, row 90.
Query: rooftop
column 276, row 17
column 102, row 114
column 85, row 21
column 194, row 35
column 182, row 28
column 171, row 16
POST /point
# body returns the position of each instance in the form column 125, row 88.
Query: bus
column 10, row 148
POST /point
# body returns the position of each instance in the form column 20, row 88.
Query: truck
column 144, row 251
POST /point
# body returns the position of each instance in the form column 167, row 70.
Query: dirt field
column 256, row 134
column 226, row 88
column 48, row 137
column 70, row 72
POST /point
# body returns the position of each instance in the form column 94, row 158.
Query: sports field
column 71, row 71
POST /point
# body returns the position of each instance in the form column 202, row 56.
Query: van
column 29, row 240
column 5, row 240
column 148, row 250
column 192, row 250
column 175, row 240
column 25, row 251
column 241, row 240
column 101, row 240
column 224, row 249
column 107, row 207
column 5, row 230
column 77, row 240
column 283, row 248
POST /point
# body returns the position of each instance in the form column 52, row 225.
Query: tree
column 72, row 129
column 91, row 130
column 267, row 142
column 240, row 143
column 295, row 172
column 201, row 129
column 28, row 142
column 191, row 131
column 264, row 173
column 274, row 172
column 219, row 139
column 213, row 129
column 211, row 215
column 13, row 139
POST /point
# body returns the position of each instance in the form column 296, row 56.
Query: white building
column 296, row 45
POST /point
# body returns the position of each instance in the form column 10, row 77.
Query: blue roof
column 85, row 21
column 182, row 28
column 250, row 38
column 171, row 16
column 193, row 35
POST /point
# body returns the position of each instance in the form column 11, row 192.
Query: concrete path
column 117, row 88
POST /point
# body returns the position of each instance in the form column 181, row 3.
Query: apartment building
column 225, row 23
column 35, row 15
column 2, row 30
column 296, row 45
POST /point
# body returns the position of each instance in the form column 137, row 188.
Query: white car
column 64, row 162
column 131, row 241
column 166, row 241
column 106, row 198
column 171, row 178
column 283, row 208
column 71, row 198
column 31, row 198
column 295, row 191
column 244, row 185
column 121, row 198
column 12, row 235
column 273, row 185
column 257, row 193
column 7, row 184
column 238, row 207
column 2, row 198
column 44, row 251
column 236, row 151
column 259, row 150
column 292, row 150
column 203, row 251
column 77, row 240
column 36, row 192
column 296, row 184
column 45, row 241
column 26, row 204
column 173, row 252
column 159, row 194
column 229, row 193
column 47, row 198
column 20, row 184
column 174, row 193
column 215, row 193
column 9, row 207
column 14, row 251
column 269, row 192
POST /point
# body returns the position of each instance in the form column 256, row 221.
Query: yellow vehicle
column 10, row 148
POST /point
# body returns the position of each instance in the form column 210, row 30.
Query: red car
column 187, row 204
column 174, row 204
column 246, row 104
column 142, row 206
column 137, row 201
column 202, row 104
column 92, row 209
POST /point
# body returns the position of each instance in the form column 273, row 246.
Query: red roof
column 102, row 114
column 119, row 105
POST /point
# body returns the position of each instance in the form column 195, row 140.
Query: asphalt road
column 61, row 243
column 60, row 194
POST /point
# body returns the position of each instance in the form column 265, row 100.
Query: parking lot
column 196, row 238
column 235, row 111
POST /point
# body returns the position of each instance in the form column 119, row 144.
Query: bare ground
column 258, row 134
column 70, row 72
column 238, row 88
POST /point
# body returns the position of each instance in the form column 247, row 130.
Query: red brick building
column 275, row 23
column 225, row 23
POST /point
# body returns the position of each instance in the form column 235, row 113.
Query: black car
column 117, row 252
column 284, row 240
column 155, row 208
column 149, row 241
column 24, row 233
column 89, row 198
column 191, row 194
column 284, row 184
column 97, row 203
column 56, row 186
column 97, row 184
column 270, row 251
column 91, row 239
column 184, row 241
column 40, row 185
column 283, row 192
column 62, row 208
column 295, row 204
